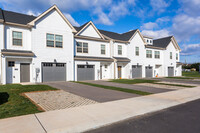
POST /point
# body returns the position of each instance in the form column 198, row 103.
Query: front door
column 119, row 72
column 24, row 72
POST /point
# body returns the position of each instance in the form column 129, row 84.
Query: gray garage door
column 85, row 72
column 53, row 72
column 136, row 71
column 149, row 72
column 170, row 71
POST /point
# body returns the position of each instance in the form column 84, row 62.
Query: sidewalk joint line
column 40, row 123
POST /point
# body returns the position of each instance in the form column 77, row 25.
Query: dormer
column 148, row 40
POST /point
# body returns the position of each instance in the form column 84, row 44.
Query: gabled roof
column 84, row 26
column 54, row 7
column 164, row 42
column 13, row 17
column 1, row 14
column 116, row 36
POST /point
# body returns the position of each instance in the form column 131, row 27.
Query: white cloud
column 102, row 18
column 156, row 33
column 184, row 27
column 159, row 5
column 118, row 10
column 71, row 20
column 190, row 7
column 33, row 13
column 190, row 49
column 149, row 26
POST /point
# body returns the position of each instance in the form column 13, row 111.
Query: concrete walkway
column 94, row 93
column 130, row 86
column 89, row 117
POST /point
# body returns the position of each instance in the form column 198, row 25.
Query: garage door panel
column 149, row 72
column 136, row 71
column 85, row 72
column 53, row 72
column 170, row 71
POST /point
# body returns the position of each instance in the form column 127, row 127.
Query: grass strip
column 133, row 81
column 117, row 88
column 188, row 86
column 179, row 77
column 12, row 103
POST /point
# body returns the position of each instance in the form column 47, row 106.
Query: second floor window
column 137, row 51
column 82, row 47
column 157, row 54
column 17, row 38
column 119, row 50
column 176, row 56
column 170, row 55
column 54, row 40
column 103, row 49
column 149, row 54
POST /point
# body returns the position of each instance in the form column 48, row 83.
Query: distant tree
column 195, row 65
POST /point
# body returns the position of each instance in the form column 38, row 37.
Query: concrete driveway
column 130, row 86
column 186, row 81
column 90, row 92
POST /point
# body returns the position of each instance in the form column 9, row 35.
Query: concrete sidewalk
column 89, row 117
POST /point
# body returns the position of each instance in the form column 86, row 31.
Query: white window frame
column 17, row 38
column 171, row 56
column 157, row 54
column 176, row 56
column 137, row 52
column 103, row 53
column 118, row 49
column 149, row 55
column 82, row 47
column 54, row 41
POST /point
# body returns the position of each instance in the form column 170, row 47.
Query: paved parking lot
column 131, row 86
column 94, row 93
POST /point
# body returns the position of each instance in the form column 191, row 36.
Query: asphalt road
column 184, row 118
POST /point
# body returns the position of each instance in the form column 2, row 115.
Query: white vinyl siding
column 17, row 38
column 54, row 40
column 82, row 47
column 149, row 53
column 157, row 54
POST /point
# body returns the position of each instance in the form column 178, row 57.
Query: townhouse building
column 48, row 48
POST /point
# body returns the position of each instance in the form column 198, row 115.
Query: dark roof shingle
column 162, row 42
column 14, row 17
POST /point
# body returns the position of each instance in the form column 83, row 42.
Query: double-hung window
column 157, row 54
column 54, row 40
column 170, row 55
column 149, row 54
column 137, row 51
column 119, row 50
column 176, row 56
column 81, row 47
column 103, row 49
column 17, row 38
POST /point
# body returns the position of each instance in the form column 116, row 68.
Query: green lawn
column 12, row 103
column 116, row 88
column 191, row 74
column 133, row 81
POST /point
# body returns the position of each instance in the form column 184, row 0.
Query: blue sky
column 156, row 18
